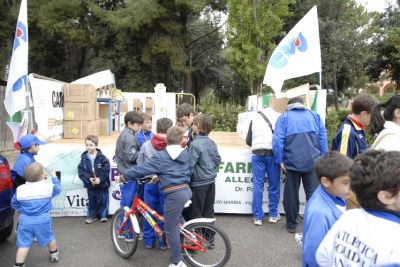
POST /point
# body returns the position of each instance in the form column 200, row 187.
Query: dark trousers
column 173, row 207
column 203, row 198
column 291, row 193
column 98, row 203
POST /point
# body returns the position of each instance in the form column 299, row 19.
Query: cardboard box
column 79, row 93
column 103, row 126
column 81, row 129
column 123, row 107
column 75, row 111
column 137, row 105
column 103, row 110
column 149, row 105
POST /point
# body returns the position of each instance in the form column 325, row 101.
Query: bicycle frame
column 139, row 206
column 151, row 216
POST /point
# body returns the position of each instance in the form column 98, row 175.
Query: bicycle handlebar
column 144, row 180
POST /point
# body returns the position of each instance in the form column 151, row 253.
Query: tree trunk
column 188, row 82
column 335, row 90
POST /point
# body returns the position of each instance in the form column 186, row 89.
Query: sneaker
column 258, row 222
column 299, row 238
column 103, row 219
column 274, row 219
column 89, row 221
column 129, row 240
column 55, row 257
column 141, row 236
column 148, row 246
column 163, row 247
column 179, row 264
column 291, row 230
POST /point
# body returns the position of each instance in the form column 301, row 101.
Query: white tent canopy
column 98, row 79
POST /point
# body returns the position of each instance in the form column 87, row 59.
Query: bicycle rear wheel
column 126, row 242
column 213, row 239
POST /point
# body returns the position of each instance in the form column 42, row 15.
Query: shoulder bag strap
column 267, row 120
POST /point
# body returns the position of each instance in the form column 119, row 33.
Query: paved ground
column 90, row 246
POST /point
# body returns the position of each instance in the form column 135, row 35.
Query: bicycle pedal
column 164, row 238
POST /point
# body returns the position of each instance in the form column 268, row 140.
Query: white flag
column 14, row 100
column 298, row 54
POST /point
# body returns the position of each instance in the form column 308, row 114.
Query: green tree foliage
column 386, row 46
column 252, row 29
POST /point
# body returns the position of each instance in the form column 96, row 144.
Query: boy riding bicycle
column 171, row 165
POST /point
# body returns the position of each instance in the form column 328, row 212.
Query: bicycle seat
column 187, row 204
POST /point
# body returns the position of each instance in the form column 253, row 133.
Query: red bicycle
column 203, row 243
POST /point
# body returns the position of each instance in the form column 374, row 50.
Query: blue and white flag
column 14, row 100
column 298, row 54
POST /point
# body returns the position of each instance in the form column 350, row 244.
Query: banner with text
column 48, row 102
column 234, row 187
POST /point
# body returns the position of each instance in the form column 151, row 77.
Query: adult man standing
column 300, row 137
column 263, row 161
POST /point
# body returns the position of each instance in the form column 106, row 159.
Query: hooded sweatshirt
column 171, row 165
column 157, row 143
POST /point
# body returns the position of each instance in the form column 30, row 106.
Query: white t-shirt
column 360, row 238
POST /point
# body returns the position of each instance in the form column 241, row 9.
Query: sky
column 376, row 5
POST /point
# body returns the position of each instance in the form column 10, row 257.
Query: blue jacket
column 171, row 165
column 300, row 137
column 142, row 136
column 101, row 170
column 203, row 160
column 350, row 139
column 33, row 201
column 320, row 214
column 17, row 172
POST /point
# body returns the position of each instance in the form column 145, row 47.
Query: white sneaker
column 274, row 219
column 180, row 264
column 258, row 222
column 299, row 238
column 55, row 257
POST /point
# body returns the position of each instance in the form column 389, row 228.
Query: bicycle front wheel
column 126, row 242
column 216, row 244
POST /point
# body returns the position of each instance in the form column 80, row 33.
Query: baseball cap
column 29, row 140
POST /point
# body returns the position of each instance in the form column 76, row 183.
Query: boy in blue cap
column 29, row 148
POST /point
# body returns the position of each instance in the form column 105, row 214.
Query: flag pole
column 320, row 80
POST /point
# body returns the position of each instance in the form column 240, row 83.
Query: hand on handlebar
column 154, row 179
column 122, row 179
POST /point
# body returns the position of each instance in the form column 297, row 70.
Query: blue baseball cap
column 29, row 140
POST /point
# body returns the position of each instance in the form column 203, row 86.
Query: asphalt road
column 90, row 245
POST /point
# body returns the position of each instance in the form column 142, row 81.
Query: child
column 94, row 171
column 327, row 203
column 29, row 148
column 184, row 115
column 171, row 165
column 368, row 236
column 153, row 194
column 203, row 160
column 145, row 132
column 126, row 153
column 33, row 202
column 350, row 139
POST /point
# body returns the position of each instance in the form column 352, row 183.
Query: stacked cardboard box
column 81, row 111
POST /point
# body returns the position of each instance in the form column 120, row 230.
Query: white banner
column 48, row 102
column 234, row 184
column 234, row 188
